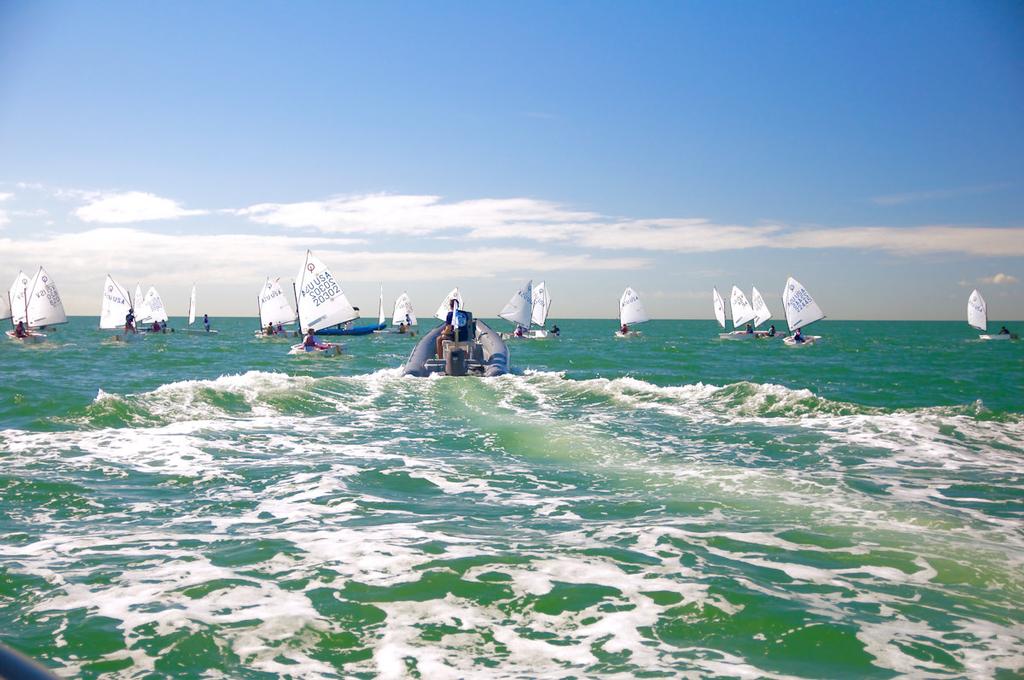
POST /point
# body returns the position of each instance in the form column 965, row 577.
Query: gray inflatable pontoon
column 479, row 351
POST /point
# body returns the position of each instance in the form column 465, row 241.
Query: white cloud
column 4, row 219
column 129, row 206
column 81, row 259
column 418, row 215
column 5, row 195
column 543, row 221
column 999, row 279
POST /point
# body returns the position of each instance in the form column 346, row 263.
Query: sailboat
column 631, row 311
column 362, row 330
column 977, row 317
column 321, row 303
column 37, row 304
column 404, row 314
column 539, row 317
column 716, row 300
column 150, row 311
column 114, row 310
column 445, row 307
column 742, row 313
column 274, row 309
column 519, row 310
column 192, row 317
column 801, row 311
column 761, row 314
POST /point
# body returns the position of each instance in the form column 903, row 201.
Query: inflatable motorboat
column 352, row 330
column 476, row 350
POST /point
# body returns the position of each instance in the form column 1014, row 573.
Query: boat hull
column 31, row 338
column 355, row 330
column 998, row 336
column 625, row 336
column 736, row 335
column 489, row 355
column 808, row 340
column 328, row 350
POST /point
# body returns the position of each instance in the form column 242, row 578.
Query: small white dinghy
column 742, row 313
column 631, row 311
column 403, row 316
column 761, row 314
column 192, row 318
column 541, row 308
column 150, row 312
column 36, row 304
column 321, row 304
column 977, row 317
column 519, row 311
column 274, row 311
column 801, row 311
column 114, row 312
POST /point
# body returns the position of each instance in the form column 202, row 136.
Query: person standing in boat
column 129, row 321
column 206, row 322
column 448, row 332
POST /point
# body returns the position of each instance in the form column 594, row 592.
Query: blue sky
column 873, row 150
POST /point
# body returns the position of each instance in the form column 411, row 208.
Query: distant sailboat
column 192, row 317
column 151, row 311
column 719, row 305
column 37, row 305
column 274, row 309
column 631, row 311
column 977, row 317
column 114, row 311
column 761, row 313
column 519, row 310
column 801, row 311
column 442, row 311
column 539, row 317
column 404, row 314
column 742, row 313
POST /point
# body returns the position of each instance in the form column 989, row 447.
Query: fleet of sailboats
column 321, row 305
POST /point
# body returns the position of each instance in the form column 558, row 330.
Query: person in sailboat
column 1004, row 331
column 555, row 330
column 798, row 336
column 750, row 329
column 624, row 330
column 163, row 326
column 519, row 331
column 155, row 328
column 771, row 331
column 402, row 328
column 19, row 330
column 310, row 343
column 448, row 332
column 129, row 321
column 206, row 322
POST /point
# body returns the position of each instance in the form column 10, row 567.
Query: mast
column 298, row 310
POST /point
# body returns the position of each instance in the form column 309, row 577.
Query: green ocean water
column 674, row 505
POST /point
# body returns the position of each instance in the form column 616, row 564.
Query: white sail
column 541, row 304
column 322, row 303
column 5, row 306
column 801, row 309
column 138, row 299
column 44, row 304
column 761, row 311
column 520, row 308
column 152, row 308
column 403, row 311
column 631, row 310
column 192, row 306
column 116, row 304
column 274, row 306
column 442, row 311
column 977, row 311
column 380, row 307
column 18, row 295
column 719, row 307
column 742, row 312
